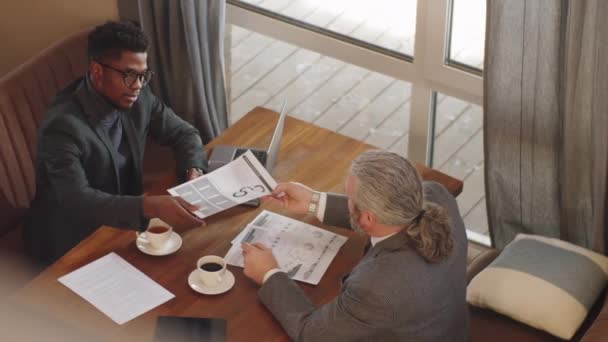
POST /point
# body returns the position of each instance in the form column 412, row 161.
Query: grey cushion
column 543, row 282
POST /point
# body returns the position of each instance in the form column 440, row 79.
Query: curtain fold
column 545, row 124
column 187, row 55
column 585, row 133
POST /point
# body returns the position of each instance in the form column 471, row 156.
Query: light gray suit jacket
column 393, row 294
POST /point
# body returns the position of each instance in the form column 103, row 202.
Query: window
column 467, row 34
column 385, row 24
column 404, row 76
column 458, row 151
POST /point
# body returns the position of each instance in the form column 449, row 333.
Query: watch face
column 314, row 201
column 312, row 208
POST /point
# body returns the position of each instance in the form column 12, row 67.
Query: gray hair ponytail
column 391, row 188
column 430, row 234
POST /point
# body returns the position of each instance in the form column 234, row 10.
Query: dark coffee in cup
column 211, row 267
column 158, row 229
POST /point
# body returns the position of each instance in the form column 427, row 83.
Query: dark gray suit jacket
column 391, row 295
column 77, row 183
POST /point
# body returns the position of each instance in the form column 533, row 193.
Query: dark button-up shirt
column 110, row 118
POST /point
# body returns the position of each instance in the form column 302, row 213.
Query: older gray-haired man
column 409, row 286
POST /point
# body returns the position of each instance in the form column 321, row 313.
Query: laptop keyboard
column 259, row 154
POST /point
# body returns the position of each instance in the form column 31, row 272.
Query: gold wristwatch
column 314, row 202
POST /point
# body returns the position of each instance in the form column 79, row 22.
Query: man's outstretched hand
column 294, row 197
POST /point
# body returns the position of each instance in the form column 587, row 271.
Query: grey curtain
column 546, row 120
column 187, row 55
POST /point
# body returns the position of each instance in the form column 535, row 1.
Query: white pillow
column 546, row 283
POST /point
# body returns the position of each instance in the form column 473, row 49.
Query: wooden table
column 309, row 154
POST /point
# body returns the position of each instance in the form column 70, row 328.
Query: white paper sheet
column 116, row 288
column 237, row 182
column 302, row 250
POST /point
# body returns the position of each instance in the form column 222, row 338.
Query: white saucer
column 172, row 245
column 197, row 285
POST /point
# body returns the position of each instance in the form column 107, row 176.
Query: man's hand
column 294, row 197
column 193, row 174
column 258, row 261
column 173, row 210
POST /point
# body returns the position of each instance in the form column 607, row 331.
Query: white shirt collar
column 376, row 239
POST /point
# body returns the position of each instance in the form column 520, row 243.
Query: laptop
column 224, row 154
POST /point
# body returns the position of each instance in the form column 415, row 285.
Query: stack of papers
column 302, row 250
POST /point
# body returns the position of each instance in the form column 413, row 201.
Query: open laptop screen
column 223, row 154
column 275, row 142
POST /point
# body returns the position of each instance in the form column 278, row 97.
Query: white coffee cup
column 158, row 233
column 211, row 270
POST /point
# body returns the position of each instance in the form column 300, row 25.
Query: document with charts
column 237, row 182
column 302, row 250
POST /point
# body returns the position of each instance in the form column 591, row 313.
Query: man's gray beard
column 355, row 225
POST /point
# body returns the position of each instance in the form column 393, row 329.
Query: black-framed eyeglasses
column 129, row 77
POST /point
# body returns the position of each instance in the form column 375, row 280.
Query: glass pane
column 468, row 33
column 458, row 152
column 390, row 24
column 341, row 97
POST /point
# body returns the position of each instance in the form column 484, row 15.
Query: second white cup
column 158, row 233
column 211, row 270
